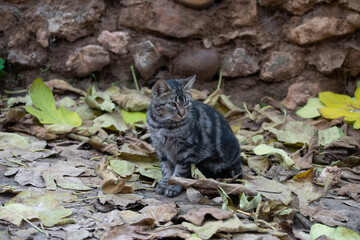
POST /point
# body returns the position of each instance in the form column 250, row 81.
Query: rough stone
column 25, row 59
column 308, row 85
column 196, row 3
column 299, row 7
column 243, row 13
column 163, row 16
column 239, row 64
column 295, row 7
column 318, row 28
column 327, row 59
column 116, row 42
column 86, row 60
column 8, row 16
column 65, row 19
column 352, row 63
column 282, row 65
column 351, row 4
column 202, row 62
column 147, row 59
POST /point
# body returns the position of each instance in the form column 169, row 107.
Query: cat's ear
column 160, row 87
column 189, row 82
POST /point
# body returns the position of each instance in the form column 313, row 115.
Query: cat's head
column 172, row 98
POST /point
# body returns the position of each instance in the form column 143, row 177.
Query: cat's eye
column 172, row 104
column 187, row 102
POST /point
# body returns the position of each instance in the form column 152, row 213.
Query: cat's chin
column 178, row 119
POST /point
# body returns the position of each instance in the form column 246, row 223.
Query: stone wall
column 264, row 47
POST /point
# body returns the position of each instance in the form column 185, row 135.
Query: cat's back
column 211, row 121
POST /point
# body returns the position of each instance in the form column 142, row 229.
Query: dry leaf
column 197, row 215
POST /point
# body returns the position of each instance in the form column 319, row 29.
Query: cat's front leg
column 166, row 170
column 181, row 170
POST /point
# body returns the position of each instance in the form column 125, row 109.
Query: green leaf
column 294, row 132
column 133, row 117
column 31, row 205
column 113, row 121
column 249, row 203
column 339, row 233
column 99, row 100
column 13, row 140
column 122, row 167
column 45, row 110
column 227, row 202
column 310, row 110
column 151, row 172
column 329, row 135
column 263, row 149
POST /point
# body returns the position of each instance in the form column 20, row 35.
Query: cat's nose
column 181, row 112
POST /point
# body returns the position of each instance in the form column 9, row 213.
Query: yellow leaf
column 338, row 105
column 331, row 99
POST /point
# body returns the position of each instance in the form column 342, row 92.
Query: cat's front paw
column 161, row 187
column 172, row 190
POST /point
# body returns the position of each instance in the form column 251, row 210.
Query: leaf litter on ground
column 289, row 169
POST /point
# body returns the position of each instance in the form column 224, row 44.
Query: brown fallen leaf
column 121, row 201
column 197, row 215
column 129, row 232
column 352, row 174
column 209, row 186
column 199, row 95
column 162, row 213
column 351, row 190
column 323, row 215
column 231, row 225
column 112, row 183
column 342, row 148
column 103, row 146
column 135, row 218
column 195, row 197
column 57, row 85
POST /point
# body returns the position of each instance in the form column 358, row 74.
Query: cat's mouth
column 179, row 118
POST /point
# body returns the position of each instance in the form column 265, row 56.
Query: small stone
column 243, row 13
column 351, row 4
column 202, row 62
column 116, row 42
column 282, row 65
column 86, row 60
column 32, row 59
column 352, row 63
column 196, row 3
column 239, row 64
column 327, row 59
column 147, row 59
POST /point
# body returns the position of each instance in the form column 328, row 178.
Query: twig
column 42, row 231
column 267, row 224
column 88, row 198
column 242, row 212
column 15, row 162
column 220, row 79
column 134, row 78
column 16, row 92
column 247, row 110
column 89, row 216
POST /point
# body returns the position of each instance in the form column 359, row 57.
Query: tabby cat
column 186, row 132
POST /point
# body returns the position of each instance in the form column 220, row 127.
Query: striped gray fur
column 186, row 132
